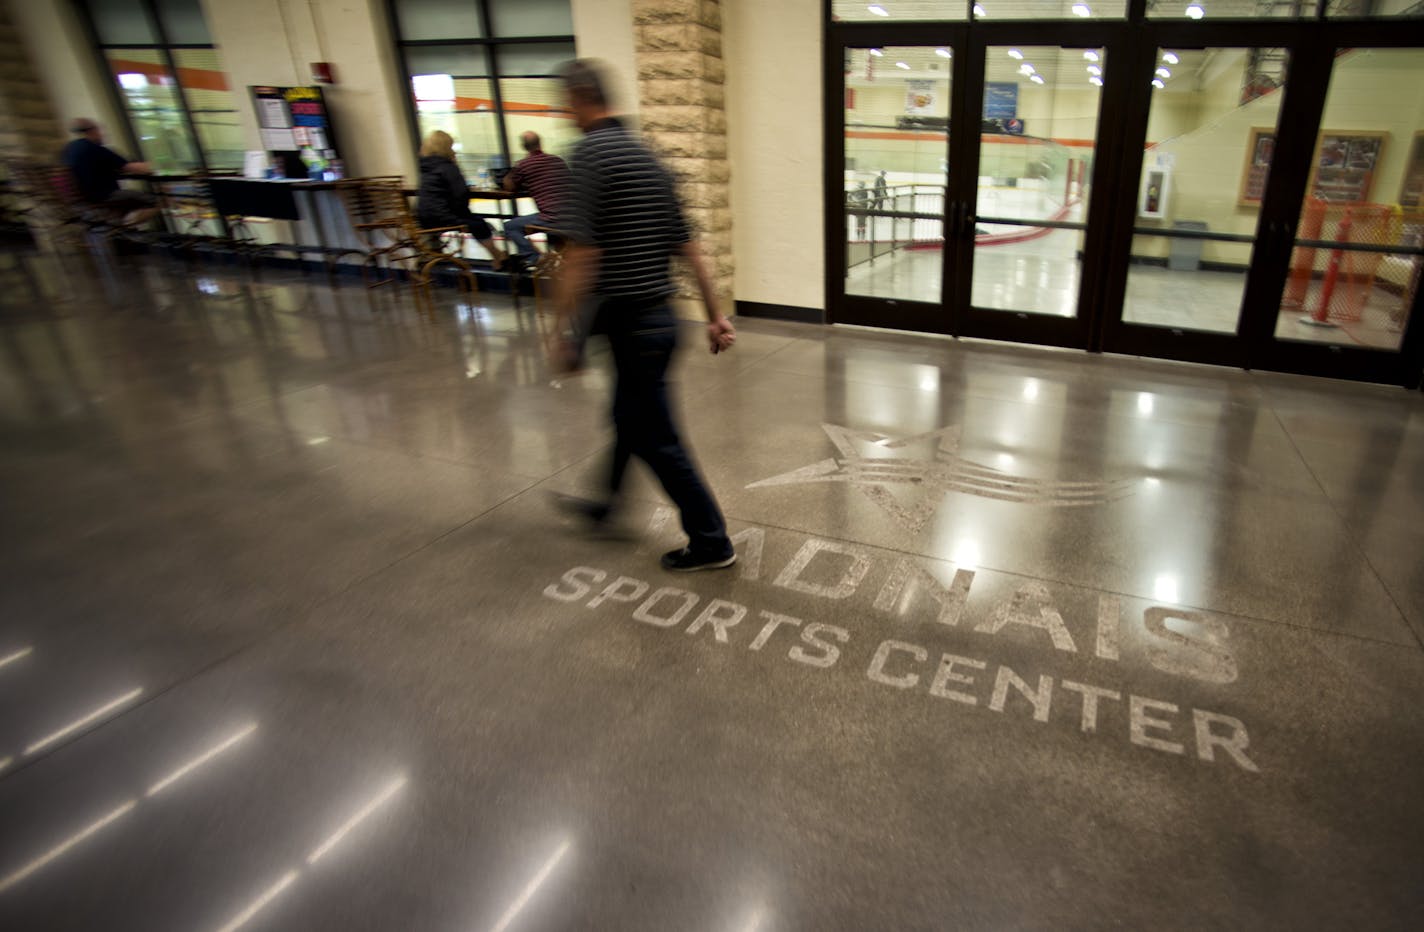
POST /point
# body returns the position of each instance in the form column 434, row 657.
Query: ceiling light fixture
column 1195, row 11
column 1095, row 80
column 979, row 11
column 1090, row 55
column 1170, row 58
column 877, row 53
column 1157, row 83
column 1163, row 73
column 1016, row 54
column 878, row 10
column 1036, row 78
column 900, row 64
column 1026, row 68
column 944, row 53
column 1082, row 9
column 1094, row 70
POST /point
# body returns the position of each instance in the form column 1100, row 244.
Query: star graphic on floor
column 863, row 462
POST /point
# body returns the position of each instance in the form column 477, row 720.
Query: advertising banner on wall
column 919, row 97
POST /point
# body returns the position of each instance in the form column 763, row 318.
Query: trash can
column 1186, row 253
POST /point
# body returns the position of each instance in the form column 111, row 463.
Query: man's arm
column 511, row 179
column 575, row 283
column 720, row 333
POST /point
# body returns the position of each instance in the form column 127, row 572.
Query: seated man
column 543, row 177
column 96, row 170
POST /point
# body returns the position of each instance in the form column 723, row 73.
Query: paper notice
column 279, row 140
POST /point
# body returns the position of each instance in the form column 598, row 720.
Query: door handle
column 967, row 218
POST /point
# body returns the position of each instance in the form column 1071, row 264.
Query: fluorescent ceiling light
column 1163, row 73
column 1082, row 9
column 943, row 53
column 1094, row 69
column 1026, row 68
column 1170, row 58
column 1095, row 80
column 900, row 64
column 876, row 52
column 133, row 81
column 1196, row 11
column 979, row 11
column 878, row 10
column 1016, row 54
column 1036, row 78
column 1090, row 55
column 1157, row 83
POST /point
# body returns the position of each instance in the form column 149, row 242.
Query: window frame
column 490, row 43
column 165, row 48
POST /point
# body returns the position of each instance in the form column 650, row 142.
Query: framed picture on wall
column 1260, row 150
column 1345, row 166
column 1411, row 190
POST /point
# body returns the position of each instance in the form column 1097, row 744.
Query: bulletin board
column 1343, row 172
column 1260, row 150
column 290, row 119
column 1411, row 190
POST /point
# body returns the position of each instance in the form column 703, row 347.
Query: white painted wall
column 773, row 56
column 603, row 29
column 275, row 42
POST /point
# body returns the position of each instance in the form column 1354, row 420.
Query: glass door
column 1351, row 292
column 890, row 145
column 1039, row 109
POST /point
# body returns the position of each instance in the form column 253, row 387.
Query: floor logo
column 867, row 460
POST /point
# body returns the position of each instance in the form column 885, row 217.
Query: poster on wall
column 1343, row 172
column 1411, row 190
column 1260, row 149
column 1001, row 100
column 1345, row 166
column 919, row 97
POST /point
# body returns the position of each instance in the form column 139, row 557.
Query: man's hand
column 720, row 334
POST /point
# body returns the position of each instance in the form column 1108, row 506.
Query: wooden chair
column 422, row 251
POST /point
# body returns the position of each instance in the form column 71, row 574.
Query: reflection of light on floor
column 1167, row 588
column 290, row 877
column 1145, row 403
column 1006, row 460
column 6, row 762
column 200, row 760
column 362, row 814
column 65, row 845
column 966, row 554
column 531, row 888
column 20, row 654
column 76, row 725
column 266, row 897
column 99, row 823
column 1030, row 390
column 754, row 921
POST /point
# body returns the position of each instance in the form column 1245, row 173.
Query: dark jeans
column 643, row 338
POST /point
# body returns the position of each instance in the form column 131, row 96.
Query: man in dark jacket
column 444, row 199
column 625, row 224
column 96, row 169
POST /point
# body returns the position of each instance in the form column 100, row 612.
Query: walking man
column 543, row 177
column 625, row 224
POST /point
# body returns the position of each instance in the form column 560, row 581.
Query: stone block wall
column 682, row 110
column 28, row 127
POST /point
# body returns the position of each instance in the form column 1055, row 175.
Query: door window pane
column 438, row 19
column 1036, row 146
column 457, row 60
column 537, row 104
column 1050, row 9
column 150, row 95
column 852, row 11
column 1231, row 9
column 1211, row 139
column 121, row 22
column 531, row 18
column 464, row 108
column 896, row 161
column 1356, row 263
column 183, row 22
column 212, row 106
column 539, row 58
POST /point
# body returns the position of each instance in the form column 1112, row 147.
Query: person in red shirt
column 543, row 177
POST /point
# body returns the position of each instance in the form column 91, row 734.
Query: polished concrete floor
column 292, row 637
